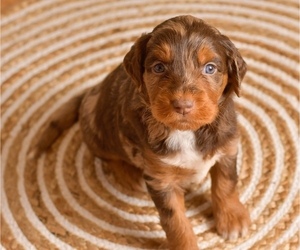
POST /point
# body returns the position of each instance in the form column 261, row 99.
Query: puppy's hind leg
column 62, row 119
column 125, row 174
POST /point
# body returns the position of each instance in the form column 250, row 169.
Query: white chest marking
column 187, row 155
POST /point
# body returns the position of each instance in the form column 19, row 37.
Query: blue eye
column 159, row 68
column 210, row 69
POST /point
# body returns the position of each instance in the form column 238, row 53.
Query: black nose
column 183, row 106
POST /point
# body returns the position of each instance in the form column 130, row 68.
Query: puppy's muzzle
column 183, row 106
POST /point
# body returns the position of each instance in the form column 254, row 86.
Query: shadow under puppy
column 166, row 115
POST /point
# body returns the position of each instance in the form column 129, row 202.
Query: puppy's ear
column 135, row 58
column 236, row 66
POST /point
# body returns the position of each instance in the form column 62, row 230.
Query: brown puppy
column 167, row 114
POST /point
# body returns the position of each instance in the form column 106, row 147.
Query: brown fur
column 127, row 119
column 61, row 120
column 232, row 219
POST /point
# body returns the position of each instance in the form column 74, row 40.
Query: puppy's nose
column 183, row 106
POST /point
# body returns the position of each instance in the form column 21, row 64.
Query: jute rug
column 51, row 50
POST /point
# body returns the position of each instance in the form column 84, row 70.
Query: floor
column 6, row 4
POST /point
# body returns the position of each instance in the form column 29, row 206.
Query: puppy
column 166, row 114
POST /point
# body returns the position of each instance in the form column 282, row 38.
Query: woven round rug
column 52, row 50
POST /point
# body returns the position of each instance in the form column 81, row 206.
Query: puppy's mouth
column 182, row 121
column 185, row 122
column 184, row 113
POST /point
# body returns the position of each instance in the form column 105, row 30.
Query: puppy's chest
column 185, row 155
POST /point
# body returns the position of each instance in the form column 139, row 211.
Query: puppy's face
column 185, row 68
column 185, row 76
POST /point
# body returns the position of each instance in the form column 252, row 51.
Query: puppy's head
column 185, row 68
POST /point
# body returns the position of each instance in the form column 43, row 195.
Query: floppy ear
column 236, row 66
column 135, row 58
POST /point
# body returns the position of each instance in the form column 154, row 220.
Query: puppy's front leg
column 232, row 218
column 169, row 201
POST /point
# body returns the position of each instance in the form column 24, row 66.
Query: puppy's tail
column 61, row 120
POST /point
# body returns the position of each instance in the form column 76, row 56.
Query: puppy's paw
column 232, row 221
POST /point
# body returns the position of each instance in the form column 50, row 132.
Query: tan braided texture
column 51, row 50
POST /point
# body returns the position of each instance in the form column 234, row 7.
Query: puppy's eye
column 210, row 69
column 159, row 68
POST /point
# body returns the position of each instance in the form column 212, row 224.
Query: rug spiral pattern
column 51, row 50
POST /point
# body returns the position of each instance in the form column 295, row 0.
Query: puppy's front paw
column 232, row 220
